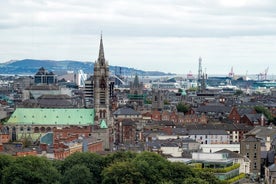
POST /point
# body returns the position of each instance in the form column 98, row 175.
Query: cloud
column 150, row 32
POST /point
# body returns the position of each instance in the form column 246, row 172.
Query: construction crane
column 231, row 73
column 199, row 75
column 263, row 75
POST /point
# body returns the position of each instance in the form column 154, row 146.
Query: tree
column 120, row 156
column 79, row 173
column 195, row 181
column 238, row 92
column 265, row 111
column 148, row 101
column 122, row 173
column 178, row 172
column 166, row 102
column 31, row 169
column 181, row 107
column 152, row 166
column 5, row 161
column 93, row 161
column 208, row 176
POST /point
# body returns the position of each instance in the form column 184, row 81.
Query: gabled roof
column 126, row 111
column 52, row 116
column 231, row 154
column 255, row 117
column 245, row 110
column 263, row 132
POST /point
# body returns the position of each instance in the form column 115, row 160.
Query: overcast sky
column 163, row 35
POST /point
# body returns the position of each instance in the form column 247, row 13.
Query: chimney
column 262, row 120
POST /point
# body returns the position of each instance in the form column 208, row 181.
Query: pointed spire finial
column 101, row 51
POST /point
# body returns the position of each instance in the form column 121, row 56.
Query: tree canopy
column 265, row 111
column 114, row 168
column 181, row 107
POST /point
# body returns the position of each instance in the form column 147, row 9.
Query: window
column 255, row 155
column 255, row 165
column 255, row 146
column 247, row 155
column 247, row 146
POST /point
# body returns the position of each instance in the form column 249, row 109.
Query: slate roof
column 126, row 111
column 220, row 126
column 179, row 131
column 214, row 108
column 263, row 132
column 263, row 154
column 254, row 117
column 207, row 132
column 251, row 139
column 270, row 156
column 272, row 168
column 128, row 122
column 243, row 111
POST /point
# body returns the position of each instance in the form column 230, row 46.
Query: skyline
column 167, row 36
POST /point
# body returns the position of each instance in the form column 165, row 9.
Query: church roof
column 103, row 124
column 47, row 138
column 52, row 116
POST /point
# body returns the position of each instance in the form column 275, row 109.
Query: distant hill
column 31, row 66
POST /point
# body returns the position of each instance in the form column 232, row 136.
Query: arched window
column 104, row 112
column 36, row 130
column 48, row 129
column 101, row 113
column 42, row 129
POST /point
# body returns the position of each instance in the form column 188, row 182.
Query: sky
column 152, row 35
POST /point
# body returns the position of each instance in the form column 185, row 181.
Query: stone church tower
column 101, row 97
column 101, row 87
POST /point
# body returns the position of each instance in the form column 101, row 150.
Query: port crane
column 263, row 75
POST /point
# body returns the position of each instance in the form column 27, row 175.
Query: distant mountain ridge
column 31, row 66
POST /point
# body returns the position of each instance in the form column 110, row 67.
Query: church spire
column 101, row 51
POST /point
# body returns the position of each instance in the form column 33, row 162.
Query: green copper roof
column 52, row 116
column 183, row 93
column 47, row 138
column 103, row 124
